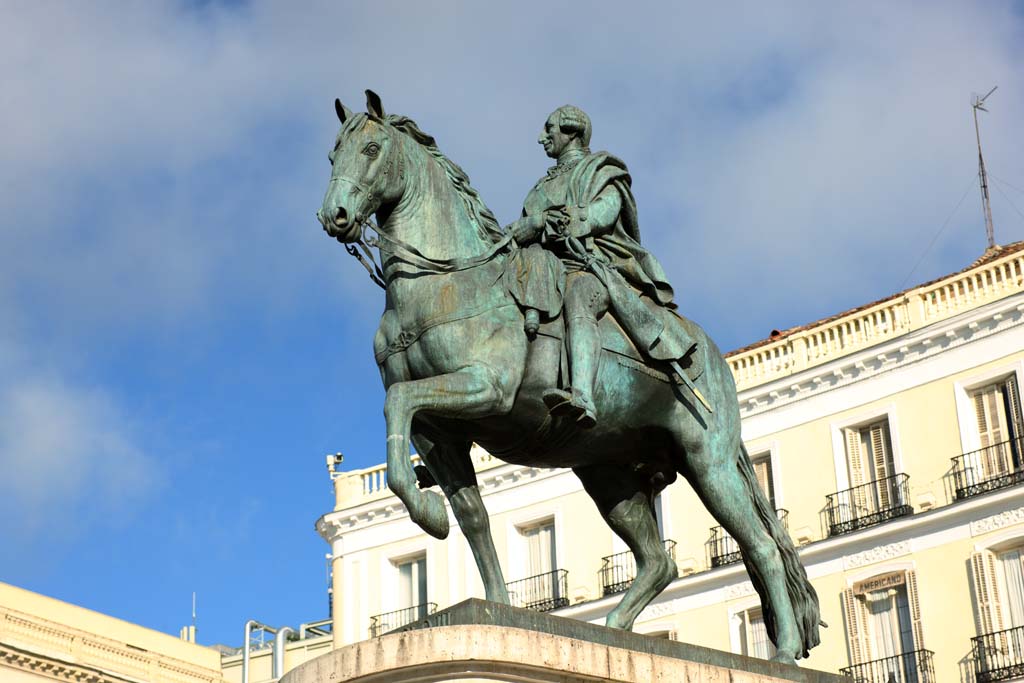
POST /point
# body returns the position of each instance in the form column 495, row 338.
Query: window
column 871, row 468
column 763, row 469
column 998, row 589
column 754, row 640
column 412, row 584
column 540, row 548
column 997, row 414
column 883, row 618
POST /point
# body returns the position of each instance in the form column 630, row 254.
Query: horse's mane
column 485, row 222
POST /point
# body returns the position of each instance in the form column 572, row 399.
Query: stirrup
column 572, row 405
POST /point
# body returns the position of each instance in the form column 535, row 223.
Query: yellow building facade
column 890, row 439
column 45, row 640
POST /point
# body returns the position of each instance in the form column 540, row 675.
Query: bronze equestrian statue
column 471, row 349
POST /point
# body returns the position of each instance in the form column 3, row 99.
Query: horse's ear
column 373, row 106
column 343, row 112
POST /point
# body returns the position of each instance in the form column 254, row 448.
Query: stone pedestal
column 477, row 641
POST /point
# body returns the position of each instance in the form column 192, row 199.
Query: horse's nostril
column 340, row 217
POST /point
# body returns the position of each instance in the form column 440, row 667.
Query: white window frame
column 759, row 448
column 737, row 619
column 839, row 456
column 391, row 575
column 970, row 440
column 517, row 546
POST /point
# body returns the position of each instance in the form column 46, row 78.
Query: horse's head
column 366, row 170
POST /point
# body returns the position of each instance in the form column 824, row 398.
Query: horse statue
column 459, row 369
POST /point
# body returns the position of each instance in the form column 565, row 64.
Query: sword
column 581, row 253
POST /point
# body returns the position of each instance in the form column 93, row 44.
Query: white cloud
column 70, row 458
column 165, row 162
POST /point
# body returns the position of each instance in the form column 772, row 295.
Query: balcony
column 909, row 667
column 723, row 549
column 389, row 621
column 868, row 504
column 988, row 469
column 999, row 656
column 543, row 592
column 619, row 570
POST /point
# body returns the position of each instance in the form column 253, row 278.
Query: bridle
column 399, row 249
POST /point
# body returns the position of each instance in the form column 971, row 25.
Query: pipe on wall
column 249, row 626
column 280, row 639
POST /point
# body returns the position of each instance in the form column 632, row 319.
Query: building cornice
column 900, row 352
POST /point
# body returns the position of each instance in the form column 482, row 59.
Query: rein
column 413, row 256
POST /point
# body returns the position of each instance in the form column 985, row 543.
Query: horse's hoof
column 434, row 518
column 784, row 658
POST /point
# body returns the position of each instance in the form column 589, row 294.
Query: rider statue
column 583, row 211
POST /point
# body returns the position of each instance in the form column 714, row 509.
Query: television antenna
column 979, row 104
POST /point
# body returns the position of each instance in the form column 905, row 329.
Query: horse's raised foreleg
column 624, row 499
column 452, row 469
column 474, row 391
column 717, row 479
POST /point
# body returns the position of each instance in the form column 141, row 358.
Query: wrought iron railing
column 389, row 621
column 543, row 592
column 619, row 570
column 999, row 656
column 988, row 469
column 909, row 667
column 868, row 504
column 723, row 549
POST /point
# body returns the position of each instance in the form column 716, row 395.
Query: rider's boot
column 584, row 354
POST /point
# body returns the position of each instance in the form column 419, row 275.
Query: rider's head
column 574, row 121
column 566, row 128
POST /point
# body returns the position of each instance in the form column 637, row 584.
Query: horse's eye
column 371, row 150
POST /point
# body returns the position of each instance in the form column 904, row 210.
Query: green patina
column 554, row 342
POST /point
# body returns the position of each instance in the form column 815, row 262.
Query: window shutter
column 854, row 613
column 1015, row 418
column 854, row 457
column 978, row 399
column 763, row 470
column 986, row 592
column 915, row 609
column 881, row 459
column 855, row 502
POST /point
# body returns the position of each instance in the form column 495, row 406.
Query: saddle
column 536, row 280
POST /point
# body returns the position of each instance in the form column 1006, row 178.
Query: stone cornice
column 333, row 524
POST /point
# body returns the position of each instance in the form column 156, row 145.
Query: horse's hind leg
column 625, row 500
column 450, row 465
column 715, row 475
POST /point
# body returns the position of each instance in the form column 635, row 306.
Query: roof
column 990, row 254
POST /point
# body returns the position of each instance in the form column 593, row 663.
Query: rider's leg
column 586, row 302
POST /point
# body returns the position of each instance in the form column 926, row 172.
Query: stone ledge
column 482, row 641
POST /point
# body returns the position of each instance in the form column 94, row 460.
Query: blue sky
column 180, row 344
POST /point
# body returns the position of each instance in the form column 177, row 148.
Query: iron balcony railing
column 619, row 570
column 868, row 504
column 909, row 667
column 389, row 621
column 723, row 549
column 543, row 592
column 999, row 656
column 988, row 469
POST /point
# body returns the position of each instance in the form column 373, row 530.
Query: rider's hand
column 556, row 220
column 527, row 228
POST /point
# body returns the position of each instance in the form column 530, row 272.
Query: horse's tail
column 801, row 593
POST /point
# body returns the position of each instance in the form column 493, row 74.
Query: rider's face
column 553, row 139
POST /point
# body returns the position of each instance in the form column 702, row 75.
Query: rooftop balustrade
column 989, row 469
column 868, row 504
